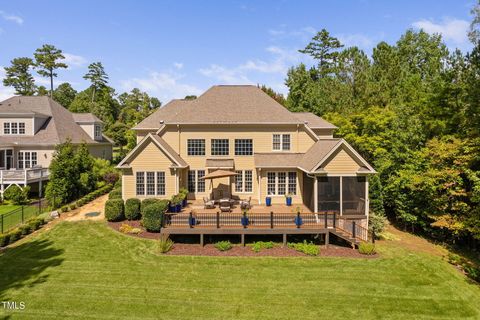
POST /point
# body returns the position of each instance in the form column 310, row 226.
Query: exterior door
column 8, row 159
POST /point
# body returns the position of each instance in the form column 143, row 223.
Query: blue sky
column 174, row 48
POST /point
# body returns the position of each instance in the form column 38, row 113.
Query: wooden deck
column 264, row 221
column 23, row 176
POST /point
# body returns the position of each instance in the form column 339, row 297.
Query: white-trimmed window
column 14, row 128
column 244, row 181
column 150, row 183
column 281, row 183
column 220, row 147
column 243, row 147
column 281, row 142
column 196, row 147
column 194, row 183
column 98, row 131
column 26, row 159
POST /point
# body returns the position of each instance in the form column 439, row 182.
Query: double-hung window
column 194, row 183
column 27, row 159
column 150, row 183
column 281, row 183
column 244, row 181
column 220, row 147
column 281, row 142
column 14, row 128
column 243, row 147
column 196, row 147
column 98, row 131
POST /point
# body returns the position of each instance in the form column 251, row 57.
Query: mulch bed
column 189, row 249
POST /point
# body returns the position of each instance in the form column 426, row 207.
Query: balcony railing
column 23, row 175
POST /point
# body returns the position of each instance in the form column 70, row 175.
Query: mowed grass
column 85, row 270
column 5, row 208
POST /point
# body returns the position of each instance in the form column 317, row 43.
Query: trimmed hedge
column 115, row 194
column 132, row 209
column 22, row 230
column 14, row 235
column 114, row 210
column 152, row 216
column 149, row 201
column 4, row 239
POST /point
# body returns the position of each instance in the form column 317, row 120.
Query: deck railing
column 272, row 220
column 23, row 175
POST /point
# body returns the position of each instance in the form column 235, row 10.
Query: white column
column 259, row 178
column 367, row 199
column 315, row 195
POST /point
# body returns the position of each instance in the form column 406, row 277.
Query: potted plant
column 184, row 193
column 288, row 199
column 171, row 205
column 244, row 219
column 178, row 202
column 298, row 218
column 268, row 200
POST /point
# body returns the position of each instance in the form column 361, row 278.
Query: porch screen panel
column 329, row 194
column 353, row 195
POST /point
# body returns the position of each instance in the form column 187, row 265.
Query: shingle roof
column 225, row 104
column 313, row 121
column 219, row 163
column 85, row 117
column 59, row 126
column 176, row 157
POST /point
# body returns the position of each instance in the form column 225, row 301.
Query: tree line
column 119, row 112
column 413, row 110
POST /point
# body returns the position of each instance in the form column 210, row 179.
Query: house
column 31, row 127
column 239, row 128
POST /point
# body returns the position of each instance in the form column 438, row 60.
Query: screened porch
column 345, row 195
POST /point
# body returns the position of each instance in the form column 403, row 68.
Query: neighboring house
column 240, row 128
column 31, row 127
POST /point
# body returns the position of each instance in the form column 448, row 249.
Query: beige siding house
column 31, row 127
column 274, row 152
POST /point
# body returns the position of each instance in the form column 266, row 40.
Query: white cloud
column 73, row 60
column 178, row 65
column 11, row 17
column 5, row 92
column 279, row 63
column 356, row 40
column 454, row 30
column 164, row 85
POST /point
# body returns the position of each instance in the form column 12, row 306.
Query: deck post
column 334, row 220
column 353, row 229
column 271, row 219
column 201, row 239
column 218, row 220
column 327, row 238
column 284, row 239
column 242, row 239
column 326, row 221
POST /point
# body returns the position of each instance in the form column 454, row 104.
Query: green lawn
column 5, row 208
column 85, row 270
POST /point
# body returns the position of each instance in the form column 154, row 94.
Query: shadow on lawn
column 22, row 266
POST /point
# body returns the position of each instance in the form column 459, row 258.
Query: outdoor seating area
column 239, row 206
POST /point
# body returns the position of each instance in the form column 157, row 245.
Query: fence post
column 271, row 219
column 218, row 220
column 353, row 229
column 1, row 216
column 326, row 222
column 22, row 213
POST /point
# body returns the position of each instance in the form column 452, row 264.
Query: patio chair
column 225, row 206
column 245, row 204
column 208, row 204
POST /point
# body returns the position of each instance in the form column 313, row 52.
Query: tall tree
column 474, row 32
column 97, row 76
column 324, row 48
column 64, row 94
column 48, row 59
column 18, row 76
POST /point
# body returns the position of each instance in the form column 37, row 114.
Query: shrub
column 125, row 228
column 259, row 245
column 114, row 210
column 115, row 194
column 367, row 248
column 79, row 203
column 132, row 209
column 64, row 209
column 18, row 196
column 149, row 201
column 376, row 223
column 25, row 229
column 223, row 245
column 152, row 216
column 473, row 272
column 4, row 239
column 308, row 248
column 14, row 235
column 165, row 244
column 73, row 206
column 34, row 224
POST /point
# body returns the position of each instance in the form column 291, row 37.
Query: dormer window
column 98, row 132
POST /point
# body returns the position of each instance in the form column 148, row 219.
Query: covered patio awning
column 219, row 163
column 218, row 174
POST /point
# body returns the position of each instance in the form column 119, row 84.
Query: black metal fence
column 17, row 216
